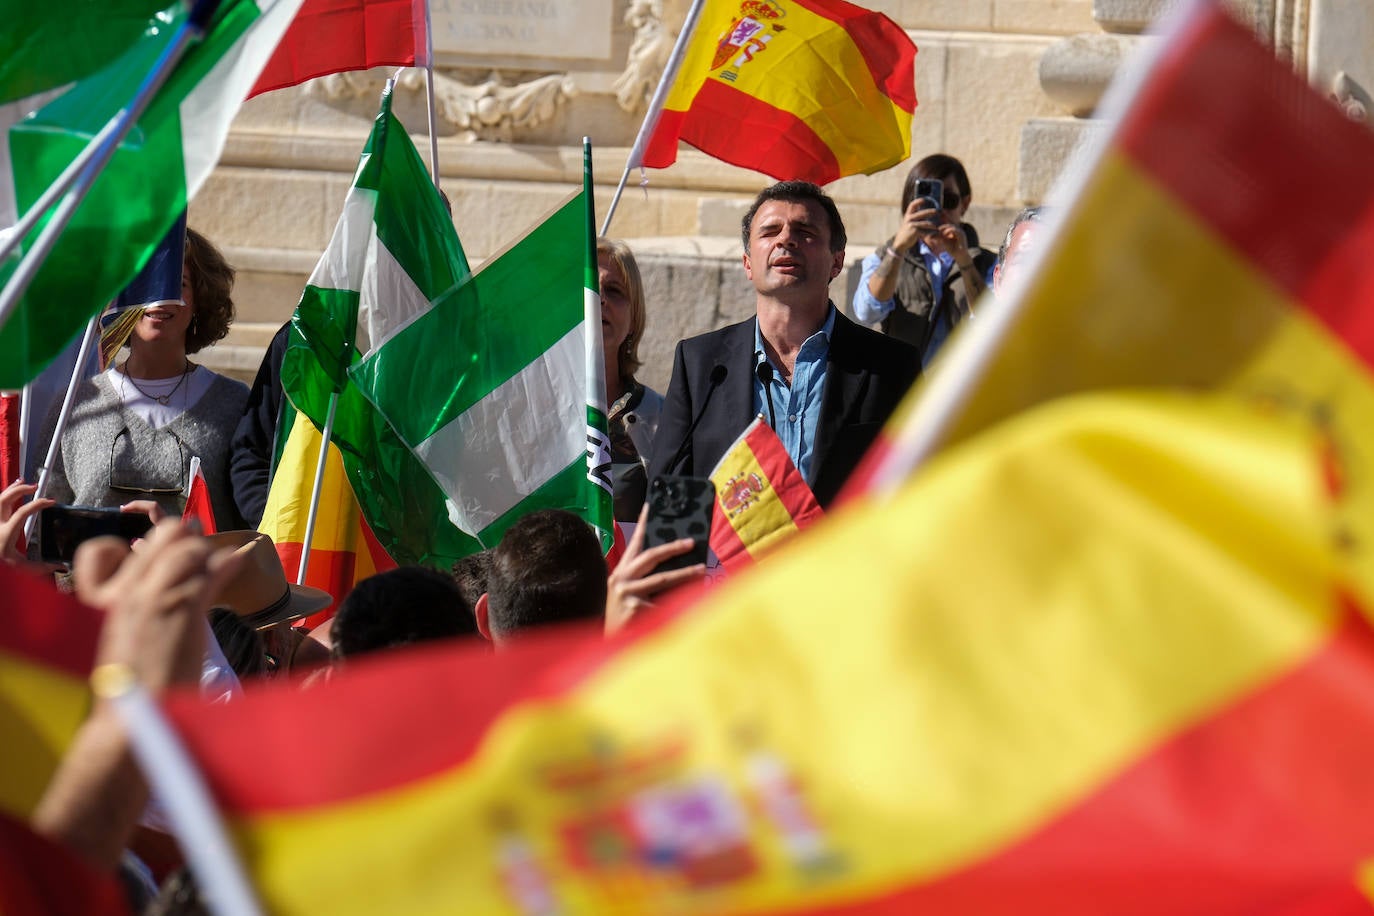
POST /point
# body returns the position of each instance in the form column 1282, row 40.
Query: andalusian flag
column 343, row 550
column 761, row 497
column 490, row 385
column 809, row 89
column 1178, row 265
column 1099, row 660
column 394, row 252
column 155, row 172
column 331, row 36
column 47, row 45
column 47, row 648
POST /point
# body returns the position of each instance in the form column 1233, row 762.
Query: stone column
column 1335, row 54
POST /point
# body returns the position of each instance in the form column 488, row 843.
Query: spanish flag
column 47, row 647
column 39, row 876
column 1101, row 659
column 1182, row 263
column 807, row 89
column 761, row 497
column 343, row 550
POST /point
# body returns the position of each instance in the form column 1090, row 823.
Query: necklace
column 163, row 399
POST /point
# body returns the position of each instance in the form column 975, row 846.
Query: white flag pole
column 44, row 472
column 25, row 435
column 193, row 29
column 429, row 98
column 327, row 433
column 646, row 130
column 178, row 784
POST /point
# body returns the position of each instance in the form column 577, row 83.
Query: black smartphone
column 64, row 528
column 680, row 507
column 931, row 191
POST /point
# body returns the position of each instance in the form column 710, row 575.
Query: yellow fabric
column 1157, row 299
column 338, row 523
column 944, row 672
column 812, row 69
column 40, row 711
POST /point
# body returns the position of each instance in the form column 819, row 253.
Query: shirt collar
column 827, row 328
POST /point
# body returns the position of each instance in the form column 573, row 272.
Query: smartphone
column 64, row 528
column 931, row 191
column 680, row 507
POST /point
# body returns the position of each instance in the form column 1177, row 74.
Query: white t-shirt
column 141, row 395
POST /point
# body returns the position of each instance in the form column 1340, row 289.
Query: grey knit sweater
column 107, row 446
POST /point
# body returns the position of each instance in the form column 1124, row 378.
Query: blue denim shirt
column 797, row 407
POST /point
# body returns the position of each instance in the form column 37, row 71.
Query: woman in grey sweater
column 134, row 428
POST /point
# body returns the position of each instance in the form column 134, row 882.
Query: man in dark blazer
column 830, row 384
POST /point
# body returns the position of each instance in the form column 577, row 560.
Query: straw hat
column 260, row 593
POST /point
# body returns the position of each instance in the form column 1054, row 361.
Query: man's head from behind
column 1023, row 235
column 547, row 569
column 397, row 608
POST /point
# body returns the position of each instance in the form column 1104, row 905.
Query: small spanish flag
column 808, row 89
column 343, row 550
column 47, row 648
column 761, row 497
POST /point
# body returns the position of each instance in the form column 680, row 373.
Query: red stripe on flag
column 1258, row 809
column 39, row 876
column 1278, row 166
column 331, row 36
column 43, row 625
column 447, row 694
column 883, row 44
column 792, row 489
column 736, row 127
column 661, row 150
column 331, row 570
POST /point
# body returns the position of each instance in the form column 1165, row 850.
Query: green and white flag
column 46, row 45
column 157, row 169
column 394, row 251
column 490, row 385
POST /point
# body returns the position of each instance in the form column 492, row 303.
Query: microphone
column 764, row 371
column 718, row 373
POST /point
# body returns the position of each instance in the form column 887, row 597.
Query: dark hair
column 796, row 192
column 938, row 165
column 547, row 569
column 1028, row 215
column 242, row 645
column 212, row 281
column 400, row 607
column 470, row 575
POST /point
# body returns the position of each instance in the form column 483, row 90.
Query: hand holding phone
column 680, row 507
column 64, row 528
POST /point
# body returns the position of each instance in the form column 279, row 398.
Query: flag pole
column 646, row 129
column 429, row 99
column 55, row 190
column 326, row 434
column 176, row 781
column 44, row 471
column 25, row 418
column 193, row 29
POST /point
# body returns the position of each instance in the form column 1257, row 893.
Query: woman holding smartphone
column 925, row 279
column 134, row 429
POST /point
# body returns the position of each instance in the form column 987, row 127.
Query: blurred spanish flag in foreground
column 809, row 89
column 47, row 647
column 1179, row 263
column 1098, row 660
column 343, row 551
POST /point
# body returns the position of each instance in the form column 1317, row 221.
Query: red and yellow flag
column 761, row 498
column 343, row 550
column 1098, row 660
column 1179, row 264
column 808, row 89
column 47, row 647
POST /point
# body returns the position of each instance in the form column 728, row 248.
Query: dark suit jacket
column 866, row 376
